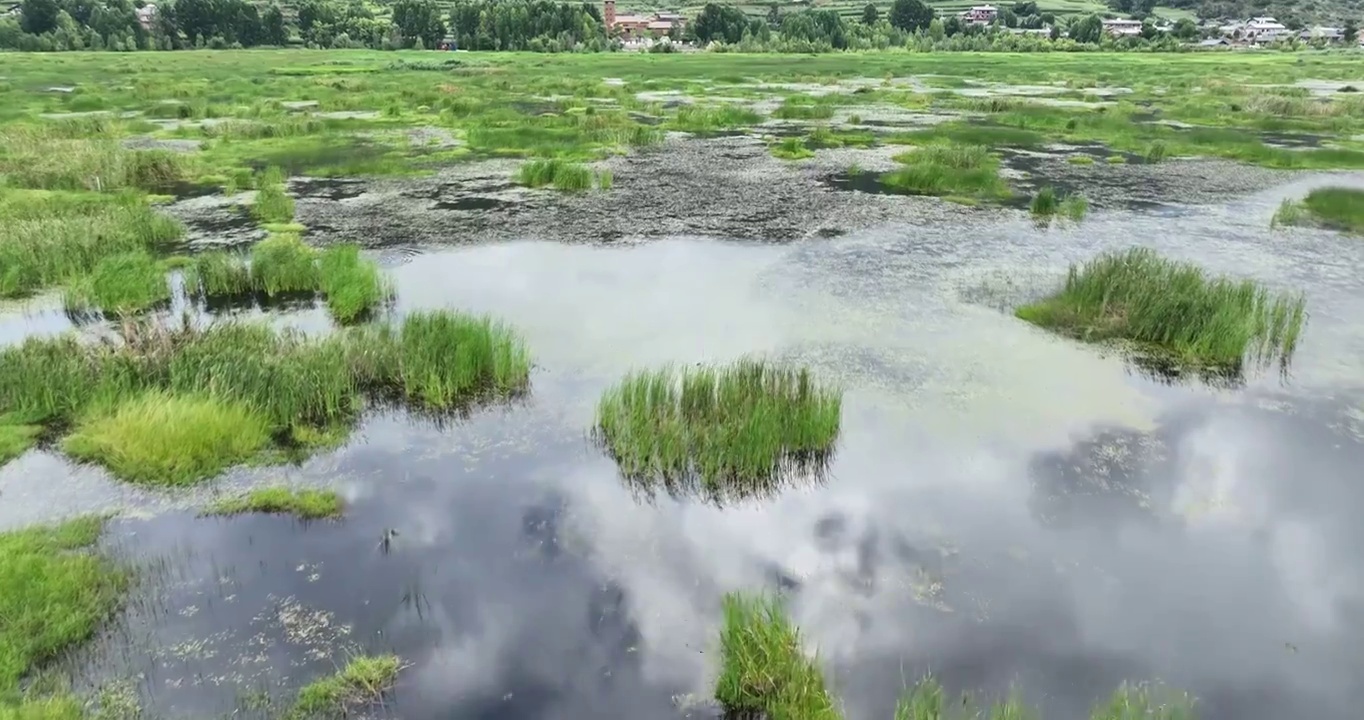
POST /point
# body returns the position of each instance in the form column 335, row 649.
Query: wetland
column 660, row 386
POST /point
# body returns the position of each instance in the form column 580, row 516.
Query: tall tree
column 273, row 29
column 419, row 20
column 1351, row 30
column 38, row 16
column 910, row 15
column 725, row 23
column 1088, row 29
column 870, row 14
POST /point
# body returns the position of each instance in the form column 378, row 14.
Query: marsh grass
column 1331, row 207
column 54, row 593
column 284, row 264
column 948, row 170
column 1047, row 203
column 305, row 504
column 51, row 238
column 45, row 158
column 163, row 439
column 1173, row 308
column 363, row 681
column 560, row 174
column 735, row 429
column 763, row 670
column 353, row 286
column 16, row 439
column 273, row 203
column 712, row 118
column 792, row 109
column 792, row 148
column 218, row 273
column 120, row 284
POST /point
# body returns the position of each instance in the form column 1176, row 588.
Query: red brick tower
column 609, row 13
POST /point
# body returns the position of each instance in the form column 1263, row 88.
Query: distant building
column 1122, row 28
column 629, row 27
column 980, row 15
column 1215, row 42
column 13, row 9
column 1322, row 34
column 1264, row 30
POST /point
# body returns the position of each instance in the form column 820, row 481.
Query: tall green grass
column 218, row 274
column 363, row 681
column 51, row 238
column 54, row 593
column 792, row 148
column 561, row 174
column 792, row 109
column 120, row 284
column 273, row 204
column 763, row 670
column 1336, row 208
column 352, row 285
column 164, row 439
column 16, row 439
column 45, row 158
column 948, row 170
column 281, row 264
column 735, row 429
column 1047, row 203
column 711, row 118
column 1175, row 307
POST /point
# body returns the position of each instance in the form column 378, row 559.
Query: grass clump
column 164, row 439
column 1332, row 207
column 304, row 504
column 218, row 274
column 1047, row 203
column 362, row 682
column 352, row 285
column 1174, row 307
column 792, row 149
column 711, row 118
column 1080, row 160
column 53, row 596
column 560, row 174
column 792, row 109
column 273, row 203
column 16, row 439
column 52, row 238
column 735, row 428
column 763, row 671
column 948, row 170
column 283, row 264
column 120, row 284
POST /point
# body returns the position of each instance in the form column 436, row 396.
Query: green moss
column 304, row 504
column 163, row 439
column 1174, row 307
column 362, row 682
column 735, row 429
column 763, row 670
column 54, row 593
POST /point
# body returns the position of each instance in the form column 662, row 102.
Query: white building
column 980, row 15
column 1122, row 28
column 146, row 15
column 1265, row 30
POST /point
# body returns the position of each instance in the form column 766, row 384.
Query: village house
column 1122, row 28
column 630, row 27
column 1328, row 35
column 1264, row 30
column 146, row 16
column 980, row 15
column 12, row 9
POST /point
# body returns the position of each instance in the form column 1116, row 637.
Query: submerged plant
column 736, row 429
column 1174, row 307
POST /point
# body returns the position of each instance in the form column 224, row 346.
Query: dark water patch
column 326, row 188
column 645, row 118
column 333, row 158
column 1292, row 140
column 183, row 190
column 474, row 203
column 227, row 220
column 867, row 182
column 830, row 232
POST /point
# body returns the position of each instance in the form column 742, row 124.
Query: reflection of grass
column 362, row 682
column 1176, row 307
column 305, row 504
column 948, row 170
column 53, row 596
column 1331, row 207
column 763, row 670
column 735, row 427
column 164, row 439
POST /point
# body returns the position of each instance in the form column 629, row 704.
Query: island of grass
column 1335, row 208
column 764, row 672
column 54, row 593
column 362, row 682
column 729, row 430
column 953, row 171
column 304, row 504
column 1172, row 310
column 172, row 406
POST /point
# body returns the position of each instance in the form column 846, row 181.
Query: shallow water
column 1006, row 507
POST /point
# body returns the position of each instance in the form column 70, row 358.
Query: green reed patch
column 41, row 158
column 793, row 109
column 792, row 148
column 305, row 504
column 1335, row 208
column 1173, row 307
column 711, row 118
column 560, row 174
column 163, row 439
column 282, row 263
column 54, row 593
column 763, row 670
column 948, row 170
column 362, row 682
column 273, row 203
column 120, row 284
column 16, row 439
column 1048, row 203
column 218, row 273
column 352, row 285
column 51, row 238
column 734, row 429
